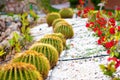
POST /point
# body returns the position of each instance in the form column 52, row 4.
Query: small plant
column 25, row 30
column 54, row 41
column 48, row 50
column 19, row 71
column 51, row 17
column 66, row 13
column 15, row 42
column 65, row 29
column 37, row 59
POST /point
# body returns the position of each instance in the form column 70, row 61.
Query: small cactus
column 65, row 29
column 60, row 35
column 19, row 71
column 51, row 17
column 54, row 41
column 66, row 13
column 56, row 21
column 37, row 59
column 48, row 50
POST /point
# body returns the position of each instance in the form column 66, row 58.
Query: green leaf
column 11, row 42
column 2, row 53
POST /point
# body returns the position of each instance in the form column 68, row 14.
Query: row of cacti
column 35, row 63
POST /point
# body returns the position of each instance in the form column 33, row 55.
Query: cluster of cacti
column 57, row 21
column 51, row 17
column 66, row 13
column 60, row 35
column 64, row 28
column 19, row 71
column 36, row 59
column 48, row 50
column 54, row 41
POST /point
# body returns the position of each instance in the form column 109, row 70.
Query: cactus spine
column 65, row 29
column 48, row 50
column 51, row 17
column 54, row 41
column 66, row 13
column 19, row 71
column 37, row 59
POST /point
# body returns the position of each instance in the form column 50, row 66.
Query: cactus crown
column 66, row 13
column 51, row 17
column 60, row 35
column 54, row 41
column 48, row 50
column 56, row 21
column 65, row 29
column 19, row 71
column 38, row 60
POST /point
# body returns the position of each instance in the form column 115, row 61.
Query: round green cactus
column 54, row 41
column 51, row 17
column 66, row 13
column 19, row 71
column 37, row 59
column 65, row 29
column 48, row 50
column 56, row 21
column 60, row 35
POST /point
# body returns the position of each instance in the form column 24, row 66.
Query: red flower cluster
column 101, row 21
column 117, row 64
column 110, row 44
column 90, row 24
column 101, row 40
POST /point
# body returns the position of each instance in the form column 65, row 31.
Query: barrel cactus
column 51, row 17
column 48, row 50
column 66, row 13
column 37, row 59
column 60, row 35
column 65, row 29
column 54, row 41
column 56, row 21
column 19, row 71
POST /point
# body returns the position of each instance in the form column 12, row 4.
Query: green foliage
column 15, row 42
column 66, row 13
column 48, row 50
column 51, row 17
column 117, row 15
column 65, row 29
column 54, row 41
column 108, row 70
column 25, row 30
column 38, row 60
column 19, row 71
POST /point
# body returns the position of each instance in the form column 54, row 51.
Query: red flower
column 112, row 21
column 112, row 59
column 108, row 51
column 101, row 40
column 112, row 30
column 95, row 29
column 79, row 13
column 108, row 45
column 99, row 33
column 118, row 28
column 81, row 2
column 90, row 24
column 110, row 13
